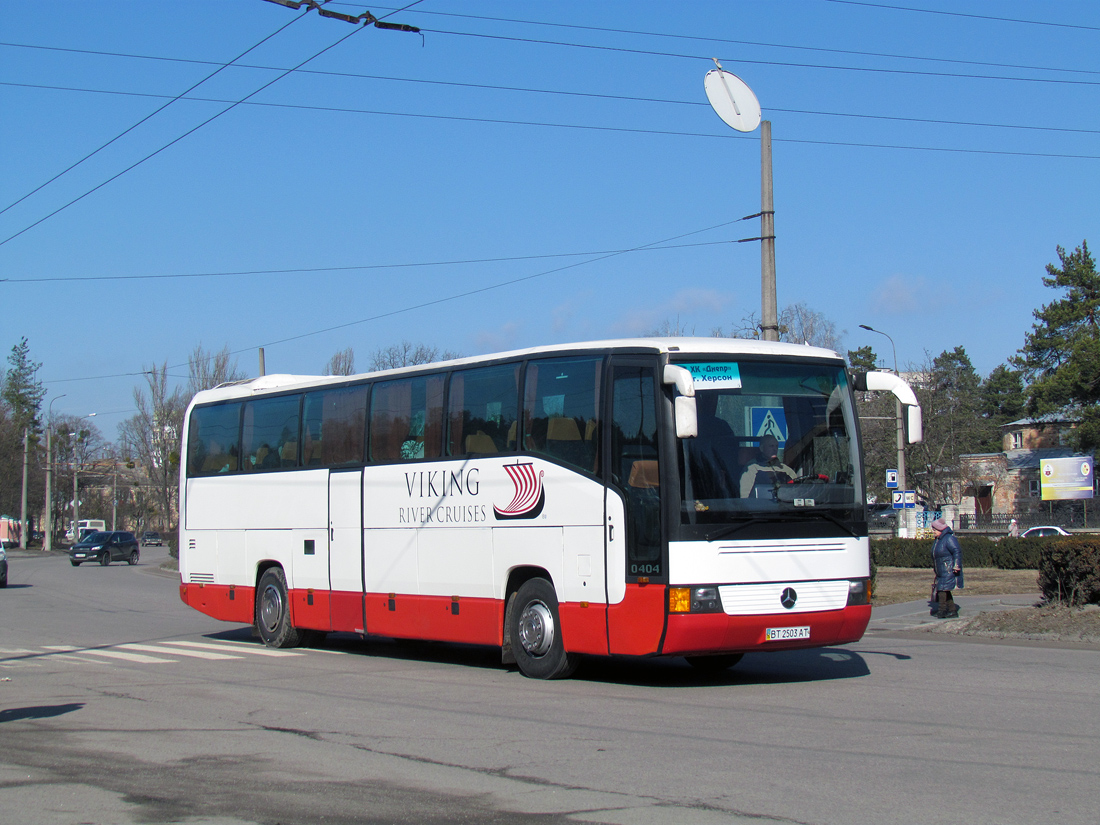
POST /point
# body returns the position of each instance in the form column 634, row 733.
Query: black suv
column 104, row 547
column 149, row 538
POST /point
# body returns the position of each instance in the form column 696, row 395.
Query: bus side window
column 270, row 433
column 560, row 410
column 482, row 410
column 406, row 419
column 334, row 427
column 213, row 439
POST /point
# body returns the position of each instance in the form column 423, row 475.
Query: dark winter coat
column 946, row 556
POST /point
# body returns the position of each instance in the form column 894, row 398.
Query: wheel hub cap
column 536, row 629
column 271, row 608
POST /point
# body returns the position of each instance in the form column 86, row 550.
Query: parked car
column 105, row 547
column 3, row 567
column 1043, row 531
column 149, row 538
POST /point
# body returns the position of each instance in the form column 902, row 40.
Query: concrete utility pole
column 26, row 469
column 769, row 309
column 47, row 535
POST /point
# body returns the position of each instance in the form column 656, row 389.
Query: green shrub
column 1069, row 571
column 977, row 551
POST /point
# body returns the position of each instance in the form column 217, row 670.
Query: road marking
column 195, row 654
column 243, row 647
column 139, row 658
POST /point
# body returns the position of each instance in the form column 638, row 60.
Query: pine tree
column 23, row 392
column 1060, row 358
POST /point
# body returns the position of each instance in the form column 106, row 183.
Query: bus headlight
column 694, row 600
column 859, row 592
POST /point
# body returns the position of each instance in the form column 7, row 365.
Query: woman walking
column 947, row 564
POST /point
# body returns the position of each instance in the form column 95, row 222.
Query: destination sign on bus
column 715, row 375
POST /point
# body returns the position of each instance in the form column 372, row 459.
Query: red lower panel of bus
column 690, row 633
column 221, row 601
column 634, row 627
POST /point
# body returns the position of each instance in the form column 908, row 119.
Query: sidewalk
column 911, row 615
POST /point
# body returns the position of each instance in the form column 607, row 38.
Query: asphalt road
column 120, row 705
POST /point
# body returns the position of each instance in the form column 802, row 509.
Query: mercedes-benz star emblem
column 788, row 597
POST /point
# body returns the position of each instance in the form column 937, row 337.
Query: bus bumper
column 689, row 634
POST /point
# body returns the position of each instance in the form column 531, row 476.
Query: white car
column 1043, row 531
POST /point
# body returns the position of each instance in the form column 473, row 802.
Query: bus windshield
column 774, row 438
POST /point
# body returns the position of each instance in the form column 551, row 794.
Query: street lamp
column 899, row 414
column 47, row 537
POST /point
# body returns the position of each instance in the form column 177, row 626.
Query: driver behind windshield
column 766, row 468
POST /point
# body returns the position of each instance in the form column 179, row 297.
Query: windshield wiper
column 788, row 515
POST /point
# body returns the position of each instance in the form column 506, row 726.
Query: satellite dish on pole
column 732, row 99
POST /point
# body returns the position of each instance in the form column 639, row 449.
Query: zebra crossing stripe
column 139, row 658
column 195, row 654
column 236, row 647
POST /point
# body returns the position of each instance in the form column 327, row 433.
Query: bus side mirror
column 888, row 382
column 687, row 417
column 914, row 424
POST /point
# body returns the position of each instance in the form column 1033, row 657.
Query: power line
column 665, row 132
column 728, row 41
column 973, row 16
column 149, row 116
column 602, row 256
column 530, row 90
column 351, row 268
column 365, row 18
column 733, row 60
column 651, row 53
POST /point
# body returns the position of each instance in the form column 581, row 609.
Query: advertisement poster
column 1066, row 478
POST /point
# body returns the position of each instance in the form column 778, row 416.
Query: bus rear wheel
column 273, row 611
column 535, row 633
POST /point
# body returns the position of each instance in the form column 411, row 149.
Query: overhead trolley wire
column 151, row 115
column 529, row 90
column 229, row 108
column 973, row 16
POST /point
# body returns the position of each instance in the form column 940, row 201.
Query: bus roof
column 710, row 345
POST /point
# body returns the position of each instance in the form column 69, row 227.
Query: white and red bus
column 697, row 497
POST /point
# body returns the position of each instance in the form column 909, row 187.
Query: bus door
column 633, row 550
column 345, row 548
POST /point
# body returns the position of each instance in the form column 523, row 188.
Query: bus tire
column 273, row 611
column 714, row 664
column 535, row 633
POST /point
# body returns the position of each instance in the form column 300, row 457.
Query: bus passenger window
column 561, row 410
column 406, row 419
column 334, row 427
column 270, row 433
column 213, row 439
column 482, row 411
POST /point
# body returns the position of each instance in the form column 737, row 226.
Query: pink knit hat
column 939, row 524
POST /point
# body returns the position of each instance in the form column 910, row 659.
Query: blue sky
column 508, row 137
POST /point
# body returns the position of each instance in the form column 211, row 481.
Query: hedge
column 1069, row 571
column 977, row 551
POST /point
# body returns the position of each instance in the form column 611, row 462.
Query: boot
column 942, row 611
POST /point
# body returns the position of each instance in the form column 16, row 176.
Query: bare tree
column 407, row 354
column 151, row 438
column 670, row 329
column 341, row 363
column 798, row 324
column 209, row 369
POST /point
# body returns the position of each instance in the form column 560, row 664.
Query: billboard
column 1066, row 478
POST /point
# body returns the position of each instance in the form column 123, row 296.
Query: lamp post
column 47, row 535
column 903, row 522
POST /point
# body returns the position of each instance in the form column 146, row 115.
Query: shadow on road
column 819, row 664
column 38, row 712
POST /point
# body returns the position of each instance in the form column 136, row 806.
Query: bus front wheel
column 273, row 611
column 535, row 633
